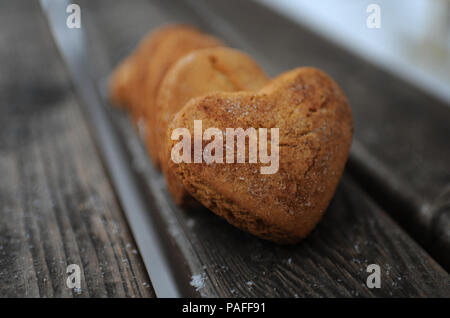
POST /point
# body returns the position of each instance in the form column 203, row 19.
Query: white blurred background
column 413, row 40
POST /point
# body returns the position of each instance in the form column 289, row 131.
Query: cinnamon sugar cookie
column 200, row 72
column 135, row 83
column 314, row 121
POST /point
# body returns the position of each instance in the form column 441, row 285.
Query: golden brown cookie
column 120, row 83
column 315, row 132
column 136, row 81
column 200, row 72
column 126, row 84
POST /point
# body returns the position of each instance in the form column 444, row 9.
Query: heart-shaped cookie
column 314, row 124
column 195, row 74
column 135, row 83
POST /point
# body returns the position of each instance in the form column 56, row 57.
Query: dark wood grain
column 402, row 150
column 401, row 153
column 57, row 206
column 224, row 261
column 331, row 262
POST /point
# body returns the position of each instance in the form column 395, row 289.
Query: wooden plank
column 57, row 205
column 401, row 154
column 223, row 261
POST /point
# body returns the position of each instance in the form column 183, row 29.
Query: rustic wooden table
column 58, row 205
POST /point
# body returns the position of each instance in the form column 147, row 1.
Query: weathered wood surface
column 222, row 261
column 402, row 149
column 404, row 160
column 57, row 206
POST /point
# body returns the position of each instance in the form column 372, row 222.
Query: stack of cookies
column 179, row 75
